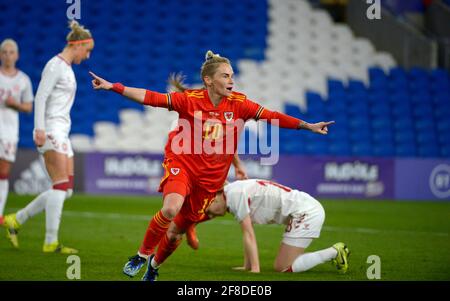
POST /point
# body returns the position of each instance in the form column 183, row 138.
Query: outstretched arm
column 142, row 96
column 135, row 94
column 252, row 110
column 286, row 121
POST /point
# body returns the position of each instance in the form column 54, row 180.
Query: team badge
column 228, row 116
column 174, row 171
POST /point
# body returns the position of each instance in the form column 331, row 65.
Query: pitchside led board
column 322, row 177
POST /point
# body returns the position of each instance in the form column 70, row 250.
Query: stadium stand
column 290, row 57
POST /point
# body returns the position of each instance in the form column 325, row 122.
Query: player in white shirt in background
column 265, row 202
column 16, row 95
column 54, row 99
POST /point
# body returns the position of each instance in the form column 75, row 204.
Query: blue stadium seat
column 424, row 111
column 315, row 107
column 443, row 126
column 358, row 122
column 357, row 97
column 422, row 97
column 359, row 108
column 405, row 136
column 424, row 124
column 336, row 107
column 355, row 86
column 362, row 149
column 439, row 74
column 383, row 136
column 401, row 97
column 398, row 85
column 376, row 73
column 339, row 149
column 418, row 73
column 441, row 112
column 380, row 109
column 292, row 147
column 378, row 97
column 420, row 86
column 382, row 123
column 316, row 148
column 383, row 150
column 397, row 73
column 313, row 97
column 441, row 98
column 444, row 138
column 293, row 110
column 335, row 86
column 402, row 109
column 426, row 138
column 406, row 150
column 429, row 151
column 445, row 151
column 361, row 135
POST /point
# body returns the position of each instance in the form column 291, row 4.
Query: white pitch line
column 88, row 214
column 231, row 222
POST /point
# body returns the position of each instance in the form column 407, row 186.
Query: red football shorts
column 196, row 199
column 175, row 180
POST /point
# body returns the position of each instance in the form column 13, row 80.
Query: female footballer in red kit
column 197, row 161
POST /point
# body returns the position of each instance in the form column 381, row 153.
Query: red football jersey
column 206, row 137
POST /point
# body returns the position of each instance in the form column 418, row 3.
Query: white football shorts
column 307, row 224
column 57, row 142
column 8, row 150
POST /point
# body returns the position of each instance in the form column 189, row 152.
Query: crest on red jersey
column 174, row 171
column 228, row 116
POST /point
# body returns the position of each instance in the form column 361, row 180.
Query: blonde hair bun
column 77, row 32
column 210, row 55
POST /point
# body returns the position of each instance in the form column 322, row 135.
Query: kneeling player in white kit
column 265, row 202
column 54, row 99
column 16, row 95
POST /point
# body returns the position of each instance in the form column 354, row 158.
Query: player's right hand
column 39, row 137
column 100, row 83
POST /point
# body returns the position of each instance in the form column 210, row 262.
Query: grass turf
column 411, row 239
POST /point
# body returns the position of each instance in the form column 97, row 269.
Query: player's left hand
column 320, row 127
column 99, row 83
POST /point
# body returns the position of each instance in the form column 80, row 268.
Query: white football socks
column 309, row 260
column 143, row 255
column 34, row 207
column 53, row 210
column 4, row 186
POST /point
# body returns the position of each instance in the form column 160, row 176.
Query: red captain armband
column 118, row 88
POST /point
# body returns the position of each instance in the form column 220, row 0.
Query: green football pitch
column 411, row 240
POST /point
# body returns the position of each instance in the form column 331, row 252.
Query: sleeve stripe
column 258, row 114
column 169, row 101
